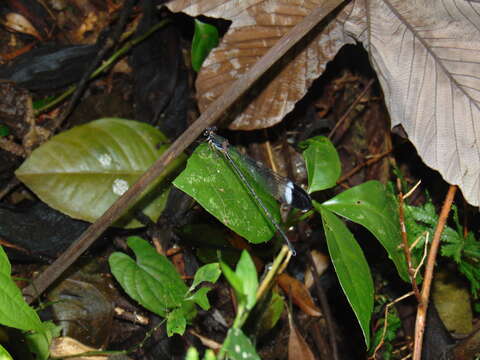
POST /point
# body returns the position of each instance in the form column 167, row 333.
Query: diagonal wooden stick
column 208, row 118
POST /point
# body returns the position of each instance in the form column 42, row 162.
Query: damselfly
column 281, row 188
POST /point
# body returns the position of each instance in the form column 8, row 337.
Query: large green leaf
column 210, row 180
column 369, row 205
column 323, row 163
column 351, row 268
column 83, row 171
column 14, row 311
column 152, row 280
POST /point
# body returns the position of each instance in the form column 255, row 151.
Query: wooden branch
column 427, row 281
column 208, row 118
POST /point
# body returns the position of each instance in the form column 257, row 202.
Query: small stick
column 427, row 281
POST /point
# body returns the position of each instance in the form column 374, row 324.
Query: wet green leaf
column 83, row 171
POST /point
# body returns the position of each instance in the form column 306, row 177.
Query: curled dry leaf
column 17, row 22
column 297, row 346
column 299, row 293
column 256, row 26
column 426, row 54
column 67, row 346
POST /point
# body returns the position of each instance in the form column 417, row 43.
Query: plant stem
column 122, row 51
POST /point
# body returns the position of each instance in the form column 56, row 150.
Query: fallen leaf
column 257, row 26
column 297, row 346
column 299, row 293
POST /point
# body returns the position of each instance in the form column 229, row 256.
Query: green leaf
column 247, row 273
column 176, row 322
column 235, row 282
column 4, row 131
column 4, row 355
column 238, row 346
column 39, row 342
column 368, row 204
column 209, row 355
column 5, row 267
column 83, row 171
column 205, row 38
column 192, row 354
column 209, row 179
column 323, row 163
column 200, row 298
column 14, row 311
column 351, row 268
column 152, row 280
column 272, row 314
column 210, row 272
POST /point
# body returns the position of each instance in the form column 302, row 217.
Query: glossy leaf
column 83, row 171
column 323, row 163
column 151, row 280
column 368, row 204
column 14, row 311
column 209, row 179
column 205, row 38
column 351, row 268
column 238, row 346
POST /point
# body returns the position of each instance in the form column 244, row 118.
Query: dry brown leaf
column 299, row 293
column 297, row 346
column 256, row 26
column 67, row 346
column 426, row 54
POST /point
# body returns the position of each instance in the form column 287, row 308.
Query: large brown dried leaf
column 257, row 25
column 426, row 54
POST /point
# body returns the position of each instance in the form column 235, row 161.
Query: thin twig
column 385, row 321
column 427, row 281
column 406, row 246
column 208, row 118
column 351, row 107
column 106, row 46
column 369, row 162
column 325, row 308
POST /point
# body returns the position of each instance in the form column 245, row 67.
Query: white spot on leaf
column 120, row 187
